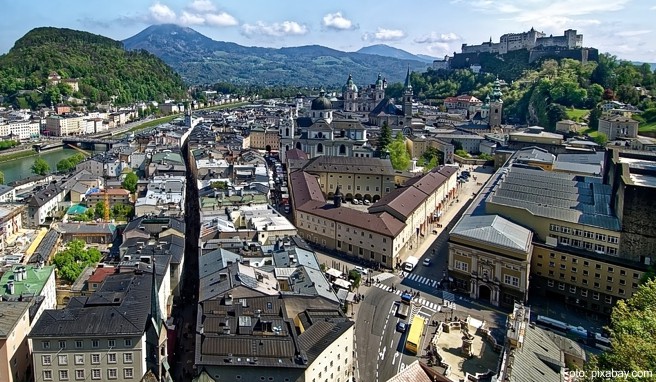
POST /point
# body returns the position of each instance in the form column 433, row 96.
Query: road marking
column 391, row 343
column 396, row 355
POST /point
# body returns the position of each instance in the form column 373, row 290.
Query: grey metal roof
column 559, row 196
column 540, row 359
column 10, row 313
column 494, row 229
column 212, row 262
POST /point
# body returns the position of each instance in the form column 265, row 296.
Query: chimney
column 17, row 274
column 23, row 273
column 10, row 285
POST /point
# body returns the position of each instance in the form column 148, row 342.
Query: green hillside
column 101, row 65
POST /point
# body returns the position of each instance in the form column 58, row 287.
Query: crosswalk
column 435, row 307
column 421, row 280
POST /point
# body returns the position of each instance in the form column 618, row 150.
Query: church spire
column 408, row 85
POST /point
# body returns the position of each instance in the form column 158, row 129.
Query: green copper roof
column 34, row 281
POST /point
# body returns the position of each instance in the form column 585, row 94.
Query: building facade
column 618, row 127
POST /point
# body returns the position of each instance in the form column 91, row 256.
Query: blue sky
column 434, row 27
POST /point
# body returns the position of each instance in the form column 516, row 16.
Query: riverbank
column 8, row 157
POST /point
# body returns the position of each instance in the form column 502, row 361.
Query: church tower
column 407, row 97
column 350, row 94
column 287, row 132
column 379, row 89
column 496, row 105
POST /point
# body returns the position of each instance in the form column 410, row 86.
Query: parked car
column 402, row 326
column 361, row 270
column 366, row 202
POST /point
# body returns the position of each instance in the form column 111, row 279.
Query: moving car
column 427, row 262
column 401, row 327
column 361, row 270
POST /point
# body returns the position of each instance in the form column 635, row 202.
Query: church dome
column 321, row 102
column 349, row 86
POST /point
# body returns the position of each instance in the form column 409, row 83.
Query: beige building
column 418, row 145
column 384, row 234
column 61, row 126
column 96, row 339
column 15, row 359
column 490, row 257
column 263, row 138
column 359, row 178
column 618, row 126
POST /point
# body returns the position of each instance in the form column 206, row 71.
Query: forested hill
column 101, row 65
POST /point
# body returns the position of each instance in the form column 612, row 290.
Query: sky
column 624, row 28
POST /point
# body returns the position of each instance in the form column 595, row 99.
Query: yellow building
column 61, row 126
column 263, row 138
column 490, row 258
column 15, row 360
column 359, row 178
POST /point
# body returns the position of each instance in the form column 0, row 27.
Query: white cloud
column 285, row 28
column 434, row 37
column 202, row 6
column 440, row 49
column 191, row 19
column 632, row 33
column 337, row 21
column 221, row 19
column 383, row 34
column 161, row 13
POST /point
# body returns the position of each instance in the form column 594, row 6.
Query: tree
column 355, row 277
column 100, row 209
column 601, row 139
column 2, row 177
column 593, row 119
column 399, row 155
column 633, row 335
column 72, row 261
column 40, row 167
column 68, row 164
column 385, row 137
column 130, row 182
column 555, row 113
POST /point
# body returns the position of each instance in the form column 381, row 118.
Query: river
column 20, row 168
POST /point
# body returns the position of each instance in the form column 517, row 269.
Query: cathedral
column 322, row 134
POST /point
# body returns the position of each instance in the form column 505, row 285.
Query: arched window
column 287, row 132
column 342, row 149
column 298, row 145
column 320, row 148
column 496, row 111
column 320, row 114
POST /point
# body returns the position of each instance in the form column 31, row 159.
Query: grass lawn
column 16, row 155
column 577, row 114
column 647, row 127
column 592, row 133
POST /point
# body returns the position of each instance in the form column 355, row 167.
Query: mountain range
column 388, row 51
column 201, row 60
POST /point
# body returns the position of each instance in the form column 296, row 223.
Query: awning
column 334, row 272
column 165, row 364
column 342, row 283
column 350, row 297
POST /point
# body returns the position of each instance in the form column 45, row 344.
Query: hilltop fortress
column 535, row 44
column 528, row 40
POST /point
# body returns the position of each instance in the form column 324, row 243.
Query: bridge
column 89, row 142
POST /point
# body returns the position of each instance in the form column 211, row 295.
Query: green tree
column 71, row 261
column 355, row 278
column 100, row 209
column 593, row 119
column 130, row 182
column 633, row 335
column 555, row 113
column 601, row 139
column 2, row 177
column 40, row 167
column 399, row 155
column 385, row 137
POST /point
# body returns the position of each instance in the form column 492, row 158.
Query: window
column 550, row 283
column 561, row 286
column 595, row 295
column 586, row 263
column 609, row 288
column 63, row 375
column 78, row 344
column 572, row 279
column 94, row 343
column 585, row 272
column 462, row 266
column 62, row 344
column 600, row 237
column 554, row 228
column 111, row 357
column 45, row 344
column 572, row 289
column 576, row 243
column 573, row 269
column 112, row 374
column 128, row 373
column 622, row 272
column 622, row 282
column 635, row 275
column 562, row 266
column 95, row 359
column 597, row 275
column 562, row 275
column 566, row 230
column 611, row 250
column 585, row 281
column 63, row 359
column 79, row 359
column 588, row 234
column 127, row 358
column 608, row 299
column 511, row 280
column 613, row 239
column 621, row 291
column 551, row 273
column 584, row 293
column 596, row 285
column 577, row 232
column 597, row 266
column 552, row 264
column 552, row 255
column 111, row 343
column 611, row 270
column 95, row 373
column 79, row 374
column 47, row 375
column 609, row 279
column 600, row 248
